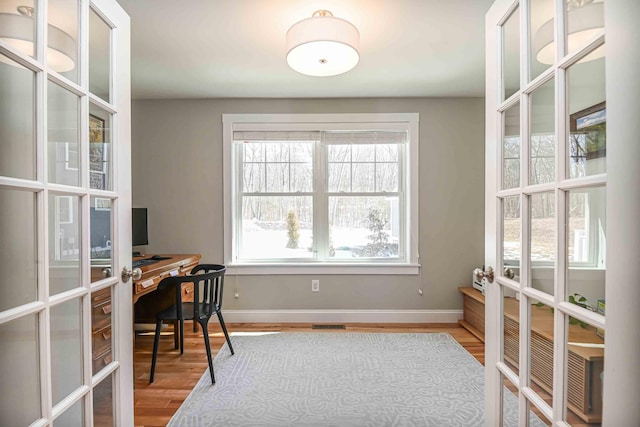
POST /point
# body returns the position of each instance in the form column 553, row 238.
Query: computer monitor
column 139, row 231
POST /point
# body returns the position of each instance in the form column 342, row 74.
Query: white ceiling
column 236, row 49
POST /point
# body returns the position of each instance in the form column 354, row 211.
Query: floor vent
column 327, row 326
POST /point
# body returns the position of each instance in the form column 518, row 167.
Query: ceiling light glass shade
column 583, row 24
column 17, row 31
column 323, row 45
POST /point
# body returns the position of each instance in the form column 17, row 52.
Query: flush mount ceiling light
column 585, row 20
column 323, row 45
column 17, row 31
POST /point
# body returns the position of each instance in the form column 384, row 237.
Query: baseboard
column 346, row 316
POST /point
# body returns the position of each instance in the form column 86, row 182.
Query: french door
column 557, row 240
column 65, row 214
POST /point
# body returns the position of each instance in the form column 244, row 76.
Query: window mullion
column 321, row 239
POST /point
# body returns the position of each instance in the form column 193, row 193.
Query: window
column 328, row 193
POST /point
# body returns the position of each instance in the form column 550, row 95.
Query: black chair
column 208, row 281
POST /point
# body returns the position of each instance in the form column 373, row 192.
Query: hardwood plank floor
column 176, row 375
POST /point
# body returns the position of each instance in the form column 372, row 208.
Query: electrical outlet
column 315, row 285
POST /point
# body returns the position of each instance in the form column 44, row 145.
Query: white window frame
column 292, row 122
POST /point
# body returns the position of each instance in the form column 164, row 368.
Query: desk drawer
column 146, row 284
column 102, row 340
column 98, row 297
column 187, row 292
column 101, row 361
column 100, row 316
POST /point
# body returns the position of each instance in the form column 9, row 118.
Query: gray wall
column 177, row 175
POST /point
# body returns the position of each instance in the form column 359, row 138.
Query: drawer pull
column 106, row 335
column 188, row 290
column 106, row 309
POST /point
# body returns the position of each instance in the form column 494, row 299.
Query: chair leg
column 205, row 332
column 224, row 329
column 156, row 343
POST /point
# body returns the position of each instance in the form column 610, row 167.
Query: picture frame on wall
column 592, row 124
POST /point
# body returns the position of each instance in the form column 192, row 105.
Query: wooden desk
column 147, row 299
column 152, row 274
column 585, row 364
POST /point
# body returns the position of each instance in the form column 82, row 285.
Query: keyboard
column 143, row 262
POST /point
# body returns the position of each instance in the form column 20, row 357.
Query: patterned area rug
column 342, row 379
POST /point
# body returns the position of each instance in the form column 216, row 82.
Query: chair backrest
column 207, row 286
column 213, row 289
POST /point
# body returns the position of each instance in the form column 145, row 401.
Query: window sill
column 325, row 268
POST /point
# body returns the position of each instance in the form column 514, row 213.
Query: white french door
column 65, row 213
column 560, row 244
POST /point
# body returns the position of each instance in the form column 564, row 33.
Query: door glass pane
column 62, row 52
column 543, row 241
column 543, row 48
column 17, row 120
column 511, row 54
column 100, row 152
column 101, row 321
column 17, row 23
column 63, row 132
column 543, row 139
column 103, row 403
column 99, row 56
column 510, row 395
column 511, row 235
column 541, row 359
column 66, row 349
column 364, row 227
column 585, row 374
column 19, row 370
column 100, row 220
column 64, row 243
column 587, row 118
column 19, row 265
column 511, row 148
column 511, row 333
column 585, row 20
column 587, row 244
column 536, row 417
column 73, row 416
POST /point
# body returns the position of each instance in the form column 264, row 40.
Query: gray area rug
column 342, row 379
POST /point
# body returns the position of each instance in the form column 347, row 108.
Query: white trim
column 319, row 118
column 317, row 268
column 342, row 316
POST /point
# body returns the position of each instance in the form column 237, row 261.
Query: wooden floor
column 176, row 375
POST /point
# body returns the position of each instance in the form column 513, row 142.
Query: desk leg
column 176, row 335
